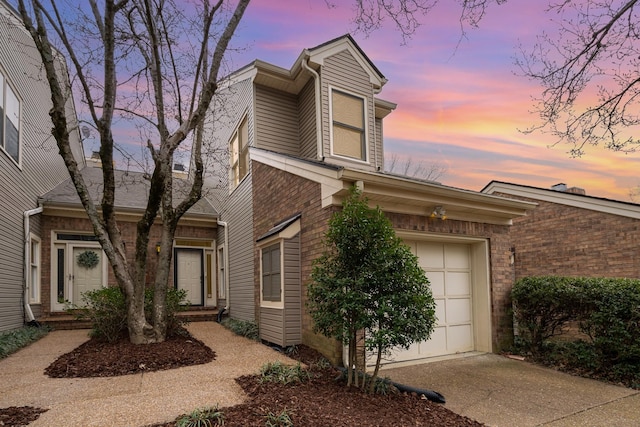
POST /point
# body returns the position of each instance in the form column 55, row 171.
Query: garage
column 458, row 273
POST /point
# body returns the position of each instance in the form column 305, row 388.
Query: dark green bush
column 544, row 305
column 105, row 308
column 607, row 312
column 243, row 328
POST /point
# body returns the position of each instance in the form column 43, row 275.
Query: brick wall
column 278, row 195
column 555, row 239
column 128, row 229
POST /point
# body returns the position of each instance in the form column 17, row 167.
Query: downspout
column 316, row 79
column 375, row 142
column 27, row 261
column 226, row 265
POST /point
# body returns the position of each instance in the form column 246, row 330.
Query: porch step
column 66, row 321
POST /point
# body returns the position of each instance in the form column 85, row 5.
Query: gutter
column 27, row 261
column 226, row 264
column 316, row 80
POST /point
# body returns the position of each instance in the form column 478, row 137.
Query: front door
column 79, row 266
column 189, row 274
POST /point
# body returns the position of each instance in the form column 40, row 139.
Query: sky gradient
column 460, row 101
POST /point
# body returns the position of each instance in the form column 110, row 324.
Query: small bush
column 243, row 328
column 205, row 417
column 278, row 372
column 12, row 341
column 106, row 310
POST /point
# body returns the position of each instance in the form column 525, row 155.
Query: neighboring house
column 572, row 234
column 29, row 167
column 67, row 234
column 293, row 142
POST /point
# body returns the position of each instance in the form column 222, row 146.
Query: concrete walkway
column 503, row 392
column 131, row 400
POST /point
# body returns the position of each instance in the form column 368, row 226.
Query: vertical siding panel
column 41, row 168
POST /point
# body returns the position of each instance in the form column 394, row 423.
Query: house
column 290, row 142
column 570, row 233
column 67, row 234
column 29, row 167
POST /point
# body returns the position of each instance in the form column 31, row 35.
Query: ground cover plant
column 12, row 341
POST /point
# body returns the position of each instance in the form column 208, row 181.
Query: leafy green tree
column 368, row 287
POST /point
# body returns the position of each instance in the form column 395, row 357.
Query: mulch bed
column 322, row 401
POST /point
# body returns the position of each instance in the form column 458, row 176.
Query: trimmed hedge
column 606, row 310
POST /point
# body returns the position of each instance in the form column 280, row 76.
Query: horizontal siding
column 277, row 121
column 271, row 325
column 41, row 168
column 307, row 120
column 292, row 292
column 342, row 71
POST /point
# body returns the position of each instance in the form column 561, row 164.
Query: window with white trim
column 271, row 274
column 34, row 270
column 239, row 153
column 9, row 120
column 348, row 130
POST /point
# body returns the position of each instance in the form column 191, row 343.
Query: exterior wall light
column 439, row 212
column 158, row 247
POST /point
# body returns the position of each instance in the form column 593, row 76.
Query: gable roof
column 583, row 201
column 132, row 191
column 292, row 80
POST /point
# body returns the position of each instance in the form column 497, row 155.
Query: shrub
column 205, row 417
column 105, row 308
column 241, row 327
column 278, row 372
column 543, row 305
column 12, row 341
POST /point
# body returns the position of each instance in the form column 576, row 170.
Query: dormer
column 323, row 108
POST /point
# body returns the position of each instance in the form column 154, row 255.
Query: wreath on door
column 88, row 259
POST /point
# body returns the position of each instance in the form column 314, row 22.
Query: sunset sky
column 459, row 106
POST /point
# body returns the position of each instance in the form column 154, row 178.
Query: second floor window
column 9, row 120
column 348, row 125
column 239, row 153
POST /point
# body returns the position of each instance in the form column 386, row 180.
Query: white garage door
column 448, row 267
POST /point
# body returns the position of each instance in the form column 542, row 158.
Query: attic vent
column 178, row 167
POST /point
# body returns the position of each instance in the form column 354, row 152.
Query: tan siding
column 271, row 325
column 342, row 71
column 41, row 168
column 277, row 121
column 229, row 107
column 292, row 292
column 307, row 120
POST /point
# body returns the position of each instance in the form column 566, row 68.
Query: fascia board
column 569, row 199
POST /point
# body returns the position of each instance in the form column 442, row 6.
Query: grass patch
column 242, row 328
column 14, row 340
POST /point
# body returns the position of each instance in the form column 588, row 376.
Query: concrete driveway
column 500, row 391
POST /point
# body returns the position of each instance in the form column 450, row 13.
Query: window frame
column 271, row 246
column 35, row 269
column 5, row 87
column 364, row 130
column 239, row 161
